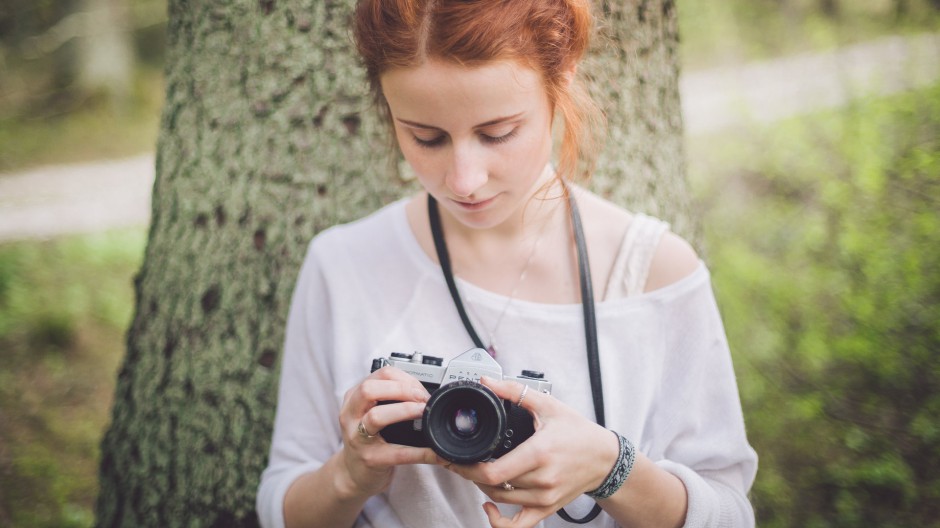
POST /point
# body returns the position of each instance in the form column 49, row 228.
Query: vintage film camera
column 464, row 421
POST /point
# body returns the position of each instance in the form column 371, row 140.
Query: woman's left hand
column 567, row 456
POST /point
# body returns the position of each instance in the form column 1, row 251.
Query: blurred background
column 813, row 131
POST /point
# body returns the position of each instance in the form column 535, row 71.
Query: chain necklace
column 492, row 348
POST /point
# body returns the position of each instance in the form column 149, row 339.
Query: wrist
column 345, row 486
column 606, row 459
column 619, row 471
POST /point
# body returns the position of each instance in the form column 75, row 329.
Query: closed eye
column 439, row 140
column 429, row 143
column 496, row 140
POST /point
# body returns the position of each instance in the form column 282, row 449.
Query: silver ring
column 363, row 433
column 507, row 486
column 525, row 389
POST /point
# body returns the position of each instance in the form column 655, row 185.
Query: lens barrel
column 464, row 422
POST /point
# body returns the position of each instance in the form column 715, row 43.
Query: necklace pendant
column 491, row 350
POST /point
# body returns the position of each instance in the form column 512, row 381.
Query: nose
column 467, row 172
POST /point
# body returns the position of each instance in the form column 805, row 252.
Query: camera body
column 463, row 421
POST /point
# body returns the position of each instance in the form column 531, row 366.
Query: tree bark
column 267, row 138
column 633, row 70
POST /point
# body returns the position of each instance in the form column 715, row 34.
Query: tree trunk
column 266, row 138
column 634, row 72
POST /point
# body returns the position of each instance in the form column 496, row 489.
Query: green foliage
column 825, row 240
column 733, row 31
column 91, row 129
column 47, row 113
column 64, row 306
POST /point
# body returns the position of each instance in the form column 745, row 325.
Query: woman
column 472, row 90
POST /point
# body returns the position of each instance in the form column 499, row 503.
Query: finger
column 365, row 395
column 516, row 467
column 384, row 455
column 393, row 373
column 381, row 416
column 396, row 374
column 517, row 495
column 533, row 400
column 525, row 518
column 492, row 513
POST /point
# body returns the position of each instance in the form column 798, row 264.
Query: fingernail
column 486, row 379
column 421, row 395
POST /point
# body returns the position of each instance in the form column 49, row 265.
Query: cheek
column 406, row 146
column 537, row 149
column 420, row 160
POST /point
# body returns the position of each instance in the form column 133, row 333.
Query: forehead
column 440, row 92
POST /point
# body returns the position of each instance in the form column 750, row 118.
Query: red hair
column 549, row 36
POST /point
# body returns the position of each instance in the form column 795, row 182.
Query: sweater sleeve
column 306, row 426
column 699, row 426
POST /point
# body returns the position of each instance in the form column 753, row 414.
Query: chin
column 477, row 220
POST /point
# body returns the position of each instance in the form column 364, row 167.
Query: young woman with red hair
column 492, row 254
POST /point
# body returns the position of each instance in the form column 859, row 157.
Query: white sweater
column 367, row 289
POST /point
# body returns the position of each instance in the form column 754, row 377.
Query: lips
column 473, row 205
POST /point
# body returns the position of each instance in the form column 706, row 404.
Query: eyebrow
column 491, row 122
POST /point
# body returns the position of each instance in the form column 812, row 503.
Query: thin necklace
column 492, row 349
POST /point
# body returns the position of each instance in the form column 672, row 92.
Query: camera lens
column 464, row 422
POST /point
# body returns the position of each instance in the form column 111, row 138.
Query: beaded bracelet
column 621, row 470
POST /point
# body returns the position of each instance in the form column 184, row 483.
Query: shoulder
column 361, row 234
column 673, row 260
column 639, row 242
column 605, row 223
column 358, row 245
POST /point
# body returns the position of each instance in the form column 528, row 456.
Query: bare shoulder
column 673, row 260
column 605, row 224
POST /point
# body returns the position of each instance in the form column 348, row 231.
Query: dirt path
column 768, row 91
column 85, row 198
column 56, row 200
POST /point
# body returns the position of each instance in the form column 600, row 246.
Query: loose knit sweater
column 367, row 289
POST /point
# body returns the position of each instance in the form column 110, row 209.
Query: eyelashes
column 429, row 143
column 441, row 139
column 499, row 139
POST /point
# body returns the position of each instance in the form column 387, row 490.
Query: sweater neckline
column 492, row 301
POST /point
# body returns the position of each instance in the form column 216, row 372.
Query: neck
column 495, row 259
column 545, row 204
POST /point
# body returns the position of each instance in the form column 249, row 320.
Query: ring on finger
column 363, row 433
column 507, row 486
column 525, row 388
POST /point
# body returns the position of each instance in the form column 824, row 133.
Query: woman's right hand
column 368, row 460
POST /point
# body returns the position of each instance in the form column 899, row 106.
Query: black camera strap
column 437, row 232
column 587, row 303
